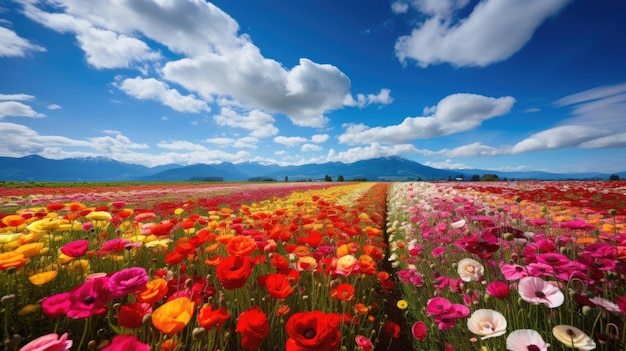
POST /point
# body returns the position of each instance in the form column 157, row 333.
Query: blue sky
column 492, row 84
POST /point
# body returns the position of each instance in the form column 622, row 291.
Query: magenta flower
column 513, row 271
column 363, row 343
column 437, row 306
column 537, row 291
column 56, row 306
column 128, row 281
column 525, row 340
column 89, row 299
column 498, row 289
column 126, row 343
column 49, row 342
column 76, row 248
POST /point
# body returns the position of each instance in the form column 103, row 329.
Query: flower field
column 516, row 266
column 314, row 266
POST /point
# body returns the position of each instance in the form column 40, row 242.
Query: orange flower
column 367, row 265
column 75, row 206
column 12, row 259
column 42, row 278
column 154, row 291
column 13, row 220
column 241, row 245
column 361, row 309
column 283, row 310
column 173, row 315
column 343, row 292
column 30, row 250
column 306, row 263
column 213, row 261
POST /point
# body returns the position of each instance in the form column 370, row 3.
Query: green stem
column 84, row 336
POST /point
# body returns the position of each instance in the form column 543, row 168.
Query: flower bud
column 586, row 310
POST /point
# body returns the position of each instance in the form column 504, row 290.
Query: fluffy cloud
column 12, row 45
column 453, row 114
column 19, row 140
column 152, row 89
column 245, row 142
column 493, row 31
column 558, row 138
column 383, row 98
column 260, row 124
column 17, row 109
column 370, row 151
column 289, row 141
column 107, row 49
column 310, row 148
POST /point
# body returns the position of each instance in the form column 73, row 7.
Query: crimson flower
column 76, row 248
column 254, row 327
column 89, row 299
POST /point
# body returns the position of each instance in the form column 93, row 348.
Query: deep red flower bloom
column 391, row 329
column 254, row 327
column 233, row 271
column 313, row 331
column 131, row 315
column 210, row 318
column 498, row 289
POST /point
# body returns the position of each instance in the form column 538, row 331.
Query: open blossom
column 49, row 342
column 537, row 291
column 573, row 337
column 126, row 342
column 470, row 270
column 498, row 289
column 486, row 322
column 128, row 281
column 525, row 340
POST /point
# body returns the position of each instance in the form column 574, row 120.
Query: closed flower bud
column 198, row 333
column 586, row 310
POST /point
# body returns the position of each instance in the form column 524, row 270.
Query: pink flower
column 126, row 343
column 56, row 306
column 419, row 330
column 513, row 271
column 536, row 291
column 605, row 304
column 498, row 289
column 89, row 299
column 524, row 340
column 76, row 248
column 437, row 306
column 49, row 342
column 363, row 343
column 128, row 281
column 438, row 251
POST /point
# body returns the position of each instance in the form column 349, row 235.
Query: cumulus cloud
column 320, row 138
column 12, row 45
column 260, row 124
column 382, row 98
column 447, row 164
column 492, row 32
column 152, row 89
column 371, row 151
column 454, row 114
column 290, row 141
column 245, row 142
column 107, row 49
column 399, row 7
column 53, row 107
column 19, row 140
column 310, row 148
column 17, row 109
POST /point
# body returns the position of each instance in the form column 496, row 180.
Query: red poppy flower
column 315, row 330
column 279, row 286
column 343, row 292
column 254, row 327
column 233, row 271
column 209, row 318
column 131, row 315
column 391, row 329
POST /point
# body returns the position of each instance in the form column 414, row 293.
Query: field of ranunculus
column 519, row 266
column 314, row 266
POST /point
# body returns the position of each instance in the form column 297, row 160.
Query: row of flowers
column 488, row 270
column 300, row 271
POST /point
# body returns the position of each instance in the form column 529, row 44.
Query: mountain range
column 100, row 169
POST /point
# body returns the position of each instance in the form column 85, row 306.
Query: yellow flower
column 30, row 250
column 7, row 238
column 178, row 211
column 42, row 278
column 402, row 304
column 64, row 259
column 79, row 266
column 99, row 216
column 29, row 309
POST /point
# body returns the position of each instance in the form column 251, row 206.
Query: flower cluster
column 520, row 264
column 298, row 266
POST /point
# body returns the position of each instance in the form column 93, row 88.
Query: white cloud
column 107, row 49
column 17, row 109
column 370, row 151
column 447, row 164
column 557, row 138
column 152, row 89
column 310, row 148
column 12, row 45
column 221, row 141
column 53, row 107
column 383, row 98
column 454, row 114
column 601, row 107
column 493, row 32
column 474, row 149
column 16, row 97
column 399, row 7
column 180, row 145
column 245, row 142
column 19, row 140
column 260, row 124
column 289, row 141
column 320, row 138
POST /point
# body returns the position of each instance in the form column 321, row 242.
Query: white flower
column 470, row 270
column 523, row 339
column 486, row 322
column 573, row 337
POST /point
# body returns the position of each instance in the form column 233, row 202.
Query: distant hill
column 37, row 168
